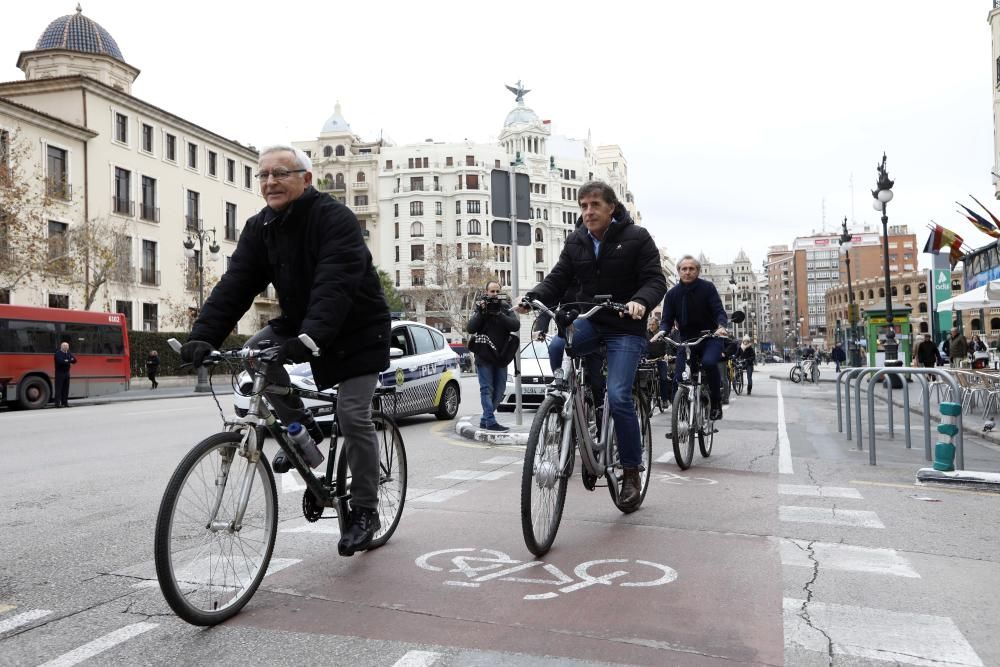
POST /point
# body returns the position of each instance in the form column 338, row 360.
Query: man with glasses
column 310, row 247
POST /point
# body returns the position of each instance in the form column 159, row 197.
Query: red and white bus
column 29, row 338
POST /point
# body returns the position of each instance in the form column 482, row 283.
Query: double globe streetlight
column 882, row 195
column 202, row 235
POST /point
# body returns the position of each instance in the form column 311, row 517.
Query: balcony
column 148, row 276
column 58, row 188
column 125, row 207
column 364, row 209
column 268, row 295
column 192, row 223
column 149, row 213
column 360, row 185
column 331, row 186
column 431, row 187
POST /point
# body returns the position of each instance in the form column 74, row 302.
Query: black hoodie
column 628, row 269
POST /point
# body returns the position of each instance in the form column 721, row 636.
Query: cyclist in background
column 609, row 254
column 693, row 305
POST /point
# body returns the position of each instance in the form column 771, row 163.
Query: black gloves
column 194, row 352
column 295, row 350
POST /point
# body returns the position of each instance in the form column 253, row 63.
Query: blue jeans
column 711, row 352
column 624, row 352
column 492, row 381
column 595, row 373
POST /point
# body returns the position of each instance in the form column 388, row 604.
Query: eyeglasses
column 277, row 174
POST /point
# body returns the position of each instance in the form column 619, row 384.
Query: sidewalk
column 175, row 386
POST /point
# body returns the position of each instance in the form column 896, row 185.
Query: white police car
column 423, row 369
column 536, row 375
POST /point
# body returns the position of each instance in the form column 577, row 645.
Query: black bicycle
column 218, row 519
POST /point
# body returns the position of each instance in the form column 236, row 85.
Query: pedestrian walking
column 153, row 367
column 958, row 348
column 64, row 360
column 747, row 355
column 838, row 356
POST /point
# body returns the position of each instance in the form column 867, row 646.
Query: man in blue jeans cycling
column 610, row 254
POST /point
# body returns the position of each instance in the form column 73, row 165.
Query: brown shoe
column 631, row 488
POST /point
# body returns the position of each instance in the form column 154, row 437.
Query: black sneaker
column 363, row 524
column 715, row 414
column 499, row 428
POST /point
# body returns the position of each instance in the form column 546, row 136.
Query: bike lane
column 616, row 588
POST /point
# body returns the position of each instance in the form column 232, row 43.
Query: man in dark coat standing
column 838, row 356
column 310, row 247
column 610, row 254
column 492, row 325
column 64, row 359
column 694, row 306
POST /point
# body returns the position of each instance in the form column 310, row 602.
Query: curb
column 986, row 481
column 465, row 428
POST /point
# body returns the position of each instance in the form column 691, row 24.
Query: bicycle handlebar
column 216, row 356
column 535, row 304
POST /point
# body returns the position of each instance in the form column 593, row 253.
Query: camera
column 492, row 304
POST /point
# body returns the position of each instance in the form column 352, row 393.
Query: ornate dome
column 520, row 114
column 336, row 122
column 76, row 32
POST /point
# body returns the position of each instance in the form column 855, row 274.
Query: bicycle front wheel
column 706, row 434
column 391, row 479
column 814, row 373
column 543, row 484
column 207, row 566
column 738, row 382
column 795, row 375
column 681, row 435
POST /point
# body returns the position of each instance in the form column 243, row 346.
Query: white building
column 108, row 158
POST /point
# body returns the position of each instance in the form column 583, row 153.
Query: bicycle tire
column 681, row 433
column 184, row 545
column 392, row 477
column 615, row 474
column 738, row 382
column 814, row 373
column 795, row 375
column 540, row 520
column 706, row 434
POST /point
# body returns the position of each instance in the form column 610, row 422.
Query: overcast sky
column 738, row 119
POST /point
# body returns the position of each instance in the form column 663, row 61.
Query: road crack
column 808, row 589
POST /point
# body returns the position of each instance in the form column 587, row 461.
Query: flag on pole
column 995, row 220
column 979, row 222
column 941, row 237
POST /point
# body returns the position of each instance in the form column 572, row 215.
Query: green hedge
column 141, row 342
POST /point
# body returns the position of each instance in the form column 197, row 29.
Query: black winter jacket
column 693, row 308
column 315, row 256
column 497, row 328
column 628, row 269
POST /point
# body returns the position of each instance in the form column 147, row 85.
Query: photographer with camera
column 493, row 343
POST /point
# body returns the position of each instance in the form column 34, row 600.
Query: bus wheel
column 33, row 393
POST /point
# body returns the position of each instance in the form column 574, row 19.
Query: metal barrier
column 878, row 374
column 846, row 375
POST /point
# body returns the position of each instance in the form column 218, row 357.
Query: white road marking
column 821, row 491
column 503, row 460
column 321, row 527
column 99, row 645
column 829, row 516
column 784, row 447
column 417, row 659
column 9, row 624
column 665, row 458
column 847, row 558
column 291, row 482
column 877, row 634
column 439, row 496
column 466, row 475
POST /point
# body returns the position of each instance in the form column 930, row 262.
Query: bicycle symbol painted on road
column 480, row 566
column 683, row 480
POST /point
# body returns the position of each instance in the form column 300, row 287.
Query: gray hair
column 686, row 258
column 301, row 158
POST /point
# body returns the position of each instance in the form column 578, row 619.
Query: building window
column 147, row 138
column 416, row 253
column 57, row 246
column 396, row 230
column 539, row 276
column 458, row 251
column 193, row 210
column 539, row 235
column 340, row 151
column 416, row 208
column 438, row 208
column 58, row 300
column 395, row 210
column 213, row 159
column 539, row 255
column 57, row 182
column 150, row 317
column 121, row 128
column 439, row 229
column 397, row 278
column 360, row 178
column 148, row 210
column 388, row 164
column 125, row 308
column 361, row 200
column 230, row 170
column 471, row 181
column 122, row 201
column 470, row 160
column 417, row 229
column 417, row 277
column 397, row 253
column 472, row 206
column 149, row 275
column 449, row 162
column 230, row 221
column 4, row 157
column 416, row 183
column 192, row 156
column 474, row 227
column 458, row 228
column 171, row 148
column 247, row 177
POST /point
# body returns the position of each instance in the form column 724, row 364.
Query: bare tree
column 452, row 283
column 95, row 252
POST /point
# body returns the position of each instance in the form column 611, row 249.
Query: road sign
column 500, row 232
column 500, row 196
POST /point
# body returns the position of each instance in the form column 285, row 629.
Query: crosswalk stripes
column 818, row 491
column 469, row 475
column 8, row 624
column 845, row 557
column 830, row 516
column 100, row 645
column 417, row 659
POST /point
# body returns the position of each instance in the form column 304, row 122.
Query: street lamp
column 852, row 346
column 732, row 290
column 202, row 235
column 882, row 195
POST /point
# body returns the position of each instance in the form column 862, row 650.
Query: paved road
column 784, row 547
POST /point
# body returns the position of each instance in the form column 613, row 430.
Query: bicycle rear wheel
column 543, row 484
column 207, row 567
column 706, row 434
column 682, row 436
column 795, row 375
column 738, row 382
column 615, row 474
column 392, row 477
column 814, row 373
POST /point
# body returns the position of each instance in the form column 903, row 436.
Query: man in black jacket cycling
column 610, row 254
column 309, row 246
column 694, row 306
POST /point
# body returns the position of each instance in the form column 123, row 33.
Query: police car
column 536, row 375
column 423, row 370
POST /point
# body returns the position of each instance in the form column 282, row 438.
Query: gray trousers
column 354, row 418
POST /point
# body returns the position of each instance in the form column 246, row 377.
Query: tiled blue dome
column 76, row 32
